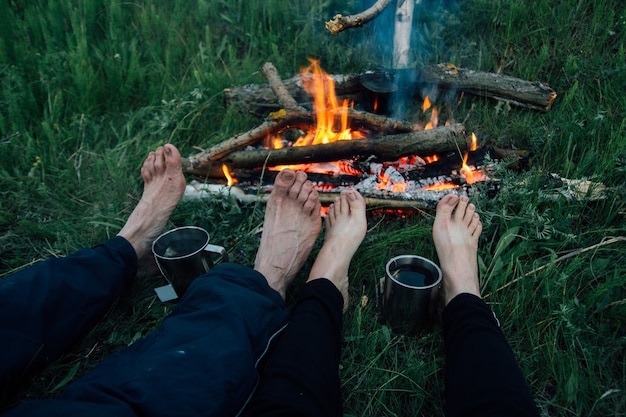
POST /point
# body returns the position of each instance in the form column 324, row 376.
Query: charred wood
column 386, row 148
column 375, row 125
column 533, row 95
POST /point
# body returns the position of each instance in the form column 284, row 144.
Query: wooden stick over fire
column 341, row 23
column 386, row 148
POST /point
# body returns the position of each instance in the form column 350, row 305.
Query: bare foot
column 291, row 226
column 164, row 185
column 456, row 231
column 346, row 226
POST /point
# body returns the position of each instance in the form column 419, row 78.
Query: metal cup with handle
column 410, row 293
column 182, row 255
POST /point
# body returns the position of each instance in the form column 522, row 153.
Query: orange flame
column 321, row 86
column 332, row 124
column 434, row 119
column 426, row 104
column 471, row 176
column 229, row 178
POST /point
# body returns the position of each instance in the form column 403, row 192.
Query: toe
column 147, row 168
column 459, row 213
column 159, row 159
column 330, row 217
column 297, row 184
column 356, row 200
column 468, row 216
column 475, row 227
column 336, row 209
column 305, row 191
column 447, row 204
column 284, row 181
column 311, row 204
column 172, row 156
column 345, row 206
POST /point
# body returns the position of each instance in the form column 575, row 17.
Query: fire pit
column 390, row 162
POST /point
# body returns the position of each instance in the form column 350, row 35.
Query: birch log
column 402, row 33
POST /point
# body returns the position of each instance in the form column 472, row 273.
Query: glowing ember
column 440, row 186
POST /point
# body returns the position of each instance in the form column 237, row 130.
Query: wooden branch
column 530, row 94
column 340, row 23
column 282, row 94
column 386, row 148
column 378, row 125
column 259, row 98
column 197, row 163
column 197, row 190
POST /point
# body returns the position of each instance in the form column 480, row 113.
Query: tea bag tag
column 166, row 293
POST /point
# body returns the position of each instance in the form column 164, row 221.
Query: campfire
column 391, row 162
column 385, row 179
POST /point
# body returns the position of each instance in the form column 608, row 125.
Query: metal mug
column 182, row 255
column 410, row 293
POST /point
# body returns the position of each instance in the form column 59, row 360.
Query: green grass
column 88, row 88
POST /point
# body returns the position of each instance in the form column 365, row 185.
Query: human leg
column 202, row 359
column 47, row 307
column 300, row 376
column 482, row 374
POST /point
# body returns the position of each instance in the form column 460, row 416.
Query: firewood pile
column 245, row 157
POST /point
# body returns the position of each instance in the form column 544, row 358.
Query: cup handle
column 219, row 250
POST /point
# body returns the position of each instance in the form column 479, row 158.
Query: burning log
column 260, row 99
column 242, row 140
column 340, row 23
column 292, row 120
column 533, row 95
column 386, row 148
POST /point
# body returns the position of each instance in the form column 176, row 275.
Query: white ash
column 376, row 168
column 394, row 176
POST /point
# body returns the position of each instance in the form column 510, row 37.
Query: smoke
column 424, row 44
